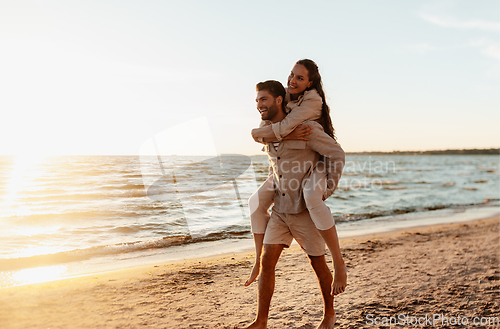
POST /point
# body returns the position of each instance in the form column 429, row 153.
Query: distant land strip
column 434, row 152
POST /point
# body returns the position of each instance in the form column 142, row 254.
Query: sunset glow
column 410, row 75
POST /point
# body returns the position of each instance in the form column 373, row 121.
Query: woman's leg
column 340, row 276
column 321, row 215
column 258, row 205
column 314, row 189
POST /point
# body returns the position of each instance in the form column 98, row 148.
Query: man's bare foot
column 328, row 322
column 339, row 280
column 257, row 325
column 254, row 274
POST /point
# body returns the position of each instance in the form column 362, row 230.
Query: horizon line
column 491, row 149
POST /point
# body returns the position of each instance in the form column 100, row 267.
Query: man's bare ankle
column 257, row 324
column 329, row 313
column 338, row 265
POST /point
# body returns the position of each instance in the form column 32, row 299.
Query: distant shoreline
column 492, row 151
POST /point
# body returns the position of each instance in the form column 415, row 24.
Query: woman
column 305, row 101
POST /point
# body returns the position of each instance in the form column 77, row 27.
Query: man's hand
column 300, row 132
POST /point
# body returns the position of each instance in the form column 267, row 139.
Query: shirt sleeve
column 263, row 131
column 264, row 123
column 309, row 109
column 334, row 155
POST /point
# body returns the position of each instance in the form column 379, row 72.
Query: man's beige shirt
column 293, row 162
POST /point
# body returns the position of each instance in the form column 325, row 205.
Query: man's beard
column 270, row 112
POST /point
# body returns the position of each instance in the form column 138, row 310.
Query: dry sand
column 448, row 269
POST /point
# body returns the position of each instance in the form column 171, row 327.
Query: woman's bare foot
column 328, row 322
column 339, row 280
column 253, row 275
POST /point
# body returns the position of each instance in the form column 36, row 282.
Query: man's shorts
column 283, row 228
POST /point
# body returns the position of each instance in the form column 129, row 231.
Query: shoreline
column 385, row 224
column 444, row 268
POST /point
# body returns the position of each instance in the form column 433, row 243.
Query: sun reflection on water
column 40, row 274
column 25, row 170
column 35, row 251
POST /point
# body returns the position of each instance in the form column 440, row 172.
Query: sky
column 106, row 77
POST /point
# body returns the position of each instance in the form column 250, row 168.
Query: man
column 291, row 161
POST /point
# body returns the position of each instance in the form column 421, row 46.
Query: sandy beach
column 451, row 270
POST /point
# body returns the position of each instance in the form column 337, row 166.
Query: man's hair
column 275, row 88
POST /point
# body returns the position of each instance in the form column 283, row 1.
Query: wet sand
column 450, row 269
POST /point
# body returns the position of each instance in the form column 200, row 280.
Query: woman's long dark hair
column 315, row 77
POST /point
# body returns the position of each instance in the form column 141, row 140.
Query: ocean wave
column 86, row 214
column 399, row 211
column 12, row 264
column 123, row 187
column 130, row 191
column 133, row 176
column 109, row 203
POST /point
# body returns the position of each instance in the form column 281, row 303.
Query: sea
column 63, row 216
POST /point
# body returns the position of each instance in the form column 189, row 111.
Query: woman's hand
column 300, row 132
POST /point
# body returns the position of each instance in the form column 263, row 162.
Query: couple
column 306, row 163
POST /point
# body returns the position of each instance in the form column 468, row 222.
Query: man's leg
column 309, row 238
column 323, row 220
column 325, row 283
column 270, row 257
